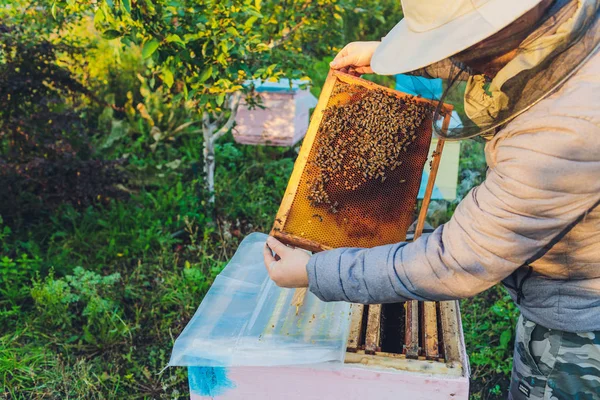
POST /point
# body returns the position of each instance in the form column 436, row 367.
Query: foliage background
column 107, row 240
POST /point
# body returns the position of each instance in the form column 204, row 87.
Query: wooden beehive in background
column 284, row 119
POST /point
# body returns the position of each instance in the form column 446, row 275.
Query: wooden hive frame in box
column 431, row 330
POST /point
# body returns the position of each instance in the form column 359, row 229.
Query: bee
column 362, row 139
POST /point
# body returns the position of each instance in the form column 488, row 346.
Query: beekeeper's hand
column 355, row 58
column 288, row 268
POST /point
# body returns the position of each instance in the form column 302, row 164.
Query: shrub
column 86, row 298
column 250, row 183
column 17, row 268
column 46, row 154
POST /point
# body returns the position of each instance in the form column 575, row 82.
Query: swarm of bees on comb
column 361, row 138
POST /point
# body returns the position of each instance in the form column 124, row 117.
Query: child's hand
column 288, row 267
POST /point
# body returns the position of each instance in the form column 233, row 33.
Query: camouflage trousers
column 554, row 365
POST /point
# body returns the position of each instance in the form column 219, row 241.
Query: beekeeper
column 529, row 74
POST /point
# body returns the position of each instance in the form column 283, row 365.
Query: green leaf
column 88, row 337
column 149, row 48
column 110, row 34
column 167, row 76
column 220, row 99
column 253, row 11
column 173, row 164
column 207, row 73
column 175, row 39
column 72, row 339
column 127, row 5
column 271, row 68
column 53, row 10
column 232, row 31
column 99, row 17
column 118, row 131
column 250, row 22
column 505, row 338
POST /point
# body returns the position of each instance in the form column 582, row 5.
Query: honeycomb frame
column 382, row 230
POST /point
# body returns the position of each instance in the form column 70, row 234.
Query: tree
column 371, row 19
column 205, row 50
column 46, row 156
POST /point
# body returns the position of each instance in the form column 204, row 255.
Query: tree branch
column 281, row 40
column 234, row 103
column 205, row 121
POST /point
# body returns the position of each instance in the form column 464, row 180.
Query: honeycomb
column 359, row 185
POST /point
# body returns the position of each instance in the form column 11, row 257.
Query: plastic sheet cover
column 246, row 320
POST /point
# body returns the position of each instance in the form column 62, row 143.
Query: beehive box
column 383, row 373
column 283, row 120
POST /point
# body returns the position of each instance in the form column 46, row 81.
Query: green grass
column 489, row 320
column 102, row 292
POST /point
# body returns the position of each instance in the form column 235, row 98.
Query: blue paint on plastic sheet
column 209, row 381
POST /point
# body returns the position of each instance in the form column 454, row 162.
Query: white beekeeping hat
column 433, row 30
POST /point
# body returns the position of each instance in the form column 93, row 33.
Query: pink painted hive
column 283, row 121
column 386, row 373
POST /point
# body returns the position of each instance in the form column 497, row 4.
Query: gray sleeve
column 540, row 181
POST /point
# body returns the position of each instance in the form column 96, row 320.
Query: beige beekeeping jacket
column 540, row 199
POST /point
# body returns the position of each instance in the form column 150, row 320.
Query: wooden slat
column 411, row 340
column 298, row 299
column 353, row 80
column 303, row 243
column 450, row 331
column 399, row 362
column 356, row 324
column 435, row 165
column 431, row 331
column 373, row 335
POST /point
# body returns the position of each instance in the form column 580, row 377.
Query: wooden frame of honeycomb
column 291, row 202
